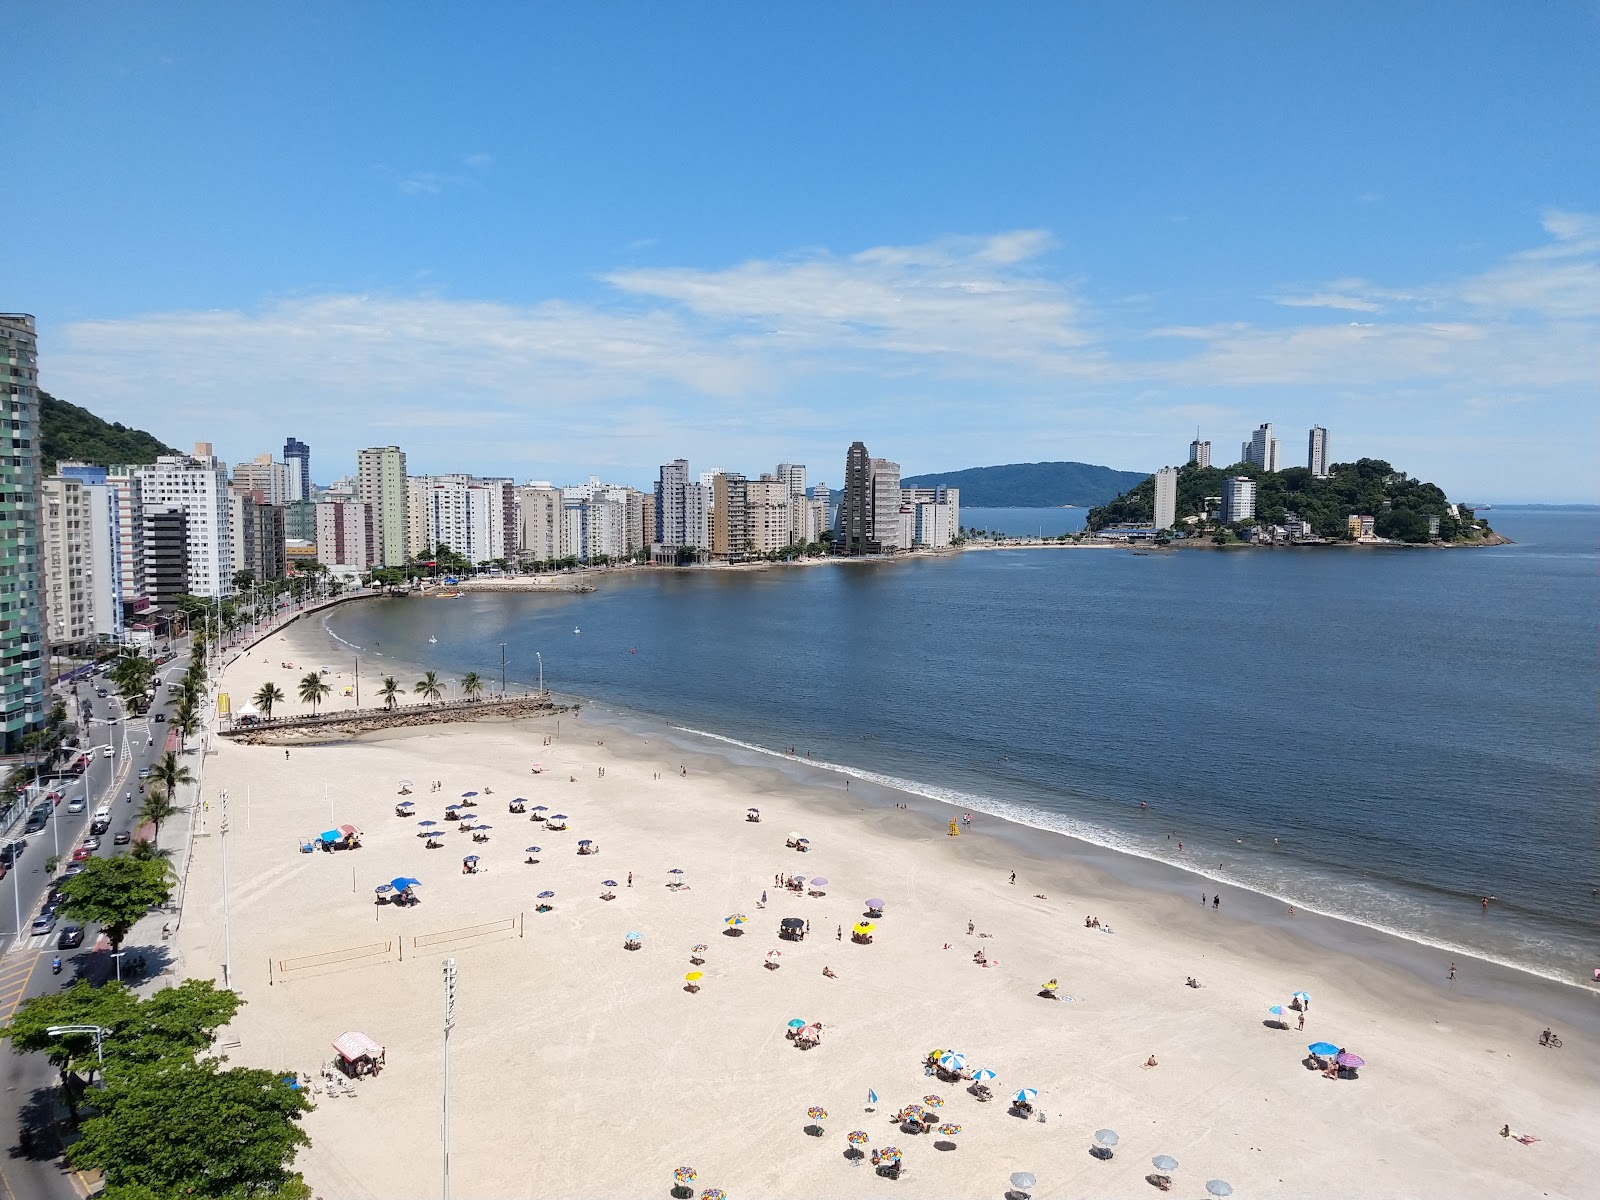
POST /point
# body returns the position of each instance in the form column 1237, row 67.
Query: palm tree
column 312, row 690
column 186, row 723
column 471, row 685
column 156, row 809
column 269, row 695
column 428, row 686
column 389, row 693
column 169, row 773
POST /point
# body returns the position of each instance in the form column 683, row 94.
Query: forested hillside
column 72, row 434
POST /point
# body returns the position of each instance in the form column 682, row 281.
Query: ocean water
column 1380, row 735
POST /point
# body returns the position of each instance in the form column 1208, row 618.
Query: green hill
column 1368, row 487
column 1032, row 485
column 72, row 434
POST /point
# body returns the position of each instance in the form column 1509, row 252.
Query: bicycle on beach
column 1549, row 1039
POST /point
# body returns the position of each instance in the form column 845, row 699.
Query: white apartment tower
column 1238, row 499
column 381, row 482
column 467, row 514
column 794, row 475
column 885, row 501
column 198, row 484
column 68, row 603
column 541, row 527
column 1261, row 449
column 261, row 474
column 1200, row 452
column 345, row 534
column 1317, row 452
column 1166, row 514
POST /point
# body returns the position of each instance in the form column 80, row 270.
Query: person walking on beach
column 630, row 878
column 1452, row 972
column 1202, row 899
column 1302, row 1024
column 1013, row 877
column 1216, row 901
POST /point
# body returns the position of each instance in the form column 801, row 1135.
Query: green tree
column 1402, row 524
column 115, row 892
column 266, row 696
column 170, row 774
column 157, row 810
column 472, row 685
column 313, row 689
column 174, row 1129
column 389, row 693
column 428, row 686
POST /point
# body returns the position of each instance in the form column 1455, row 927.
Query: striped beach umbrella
column 982, row 1075
column 735, row 919
column 954, row 1061
column 1025, row 1096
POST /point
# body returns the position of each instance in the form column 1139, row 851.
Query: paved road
column 30, row 1081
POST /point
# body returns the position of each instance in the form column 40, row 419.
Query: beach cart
column 358, row 1055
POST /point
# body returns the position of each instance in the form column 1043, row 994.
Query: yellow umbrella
column 864, row 927
column 693, row 975
column 1051, row 986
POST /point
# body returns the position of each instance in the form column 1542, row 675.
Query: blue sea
column 1381, row 735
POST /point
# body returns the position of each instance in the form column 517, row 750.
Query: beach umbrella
column 384, row 889
column 470, row 858
column 675, row 871
column 792, row 836
column 792, row 923
column 872, row 1097
column 803, row 842
column 534, row 850
column 405, row 783
column 857, row 1137
column 468, row 795
column 1323, row 1049
column 797, row 1023
column 520, row 800
column 915, row 1110
column 954, row 1061
column 1164, row 1162
column 1303, row 997
column 1025, row 1096
column 1049, row 987
column 713, row 1194
column 685, row 1175
column 483, row 826
column 406, row 804
column 700, row 949
column 1023, row 1181
column 541, row 808
column 820, row 881
column 1276, row 1010
column 817, row 1113
column 426, row 824
column 890, row 1154
column 982, row 1075
column 558, row 816
column 774, row 953
column 1219, row 1187
column 546, row 895
column 949, row 1130
column 694, row 975
column 933, row 1101
column 875, row 904
column 585, row 841
column 401, row 882
column 1106, row 1137
column 735, row 919
column 1351, row 1060
column 633, row 935
column 608, row 883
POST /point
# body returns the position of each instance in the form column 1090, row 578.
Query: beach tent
column 358, row 1054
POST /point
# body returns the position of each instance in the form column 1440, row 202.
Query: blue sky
column 555, row 240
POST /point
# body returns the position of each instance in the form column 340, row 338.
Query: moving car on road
column 71, row 935
column 122, row 838
column 43, row 923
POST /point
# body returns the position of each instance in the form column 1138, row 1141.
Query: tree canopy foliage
column 1367, row 487
column 69, row 433
column 115, row 892
column 179, row 1021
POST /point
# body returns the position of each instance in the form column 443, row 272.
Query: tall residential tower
column 1317, row 452
column 22, row 677
column 381, row 482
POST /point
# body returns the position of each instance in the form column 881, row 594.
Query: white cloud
column 974, row 334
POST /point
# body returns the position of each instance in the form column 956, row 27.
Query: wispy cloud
column 983, row 331
column 423, row 182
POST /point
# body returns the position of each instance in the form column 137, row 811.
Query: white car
column 107, row 752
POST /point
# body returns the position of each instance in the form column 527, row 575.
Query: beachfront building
column 949, row 499
column 887, row 527
column 768, row 516
column 726, row 518
column 64, row 532
column 381, row 482
column 259, row 535
column 262, row 475
column 1261, row 449
column 1317, row 452
column 419, row 531
column 198, row 484
column 1361, row 526
column 822, row 513
column 165, row 532
column 540, row 522
column 119, row 578
column 855, row 506
column 1200, row 453
column 1238, row 499
column 794, row 475
column 297, row 457
column 22, row 674
column 1166, row 483
column 468, row 514
column 682, row 514
column 345, row 535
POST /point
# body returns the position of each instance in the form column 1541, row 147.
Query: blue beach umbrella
column 799, row 1023
column 1303, row 997
column 426, row 824
column 982, row 1075
column 545, row 895
column 1276, row 1010
column 1323, row 1049
column 483, row 826
column 872, row 1096
column 401, row 882
column 541, row 808
column 1106, row 1137
column 383, row 889
column 534, row 850
column 953, row 1061
column 558, row 816
column 406, row 804
column 468, row 795
column 332, row 835
column 633, row 935
column 1164, row 1162
column 608, row 883
column 470, row 858
column 1025, row 1096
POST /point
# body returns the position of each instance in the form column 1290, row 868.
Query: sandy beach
column 580, row 1068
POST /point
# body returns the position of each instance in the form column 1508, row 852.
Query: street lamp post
column 502, row 668
column 540, row 657
column 227, row 926
column 449, row 1024
column 99, row 1032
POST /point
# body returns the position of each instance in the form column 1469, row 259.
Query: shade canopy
column 982, row 1075
column 608, row 883
column 545, row 895
column 585, row 841
column 820, row 881
column 1025, row 1095
column 1164, row 1162
column 354, row 1045
column 797, row 1023
column 1023, row 1180
column 1351, row 1060
column 1303, row 997
column 863, row 927
column 875, row 903
column 1106, row 1137
column 792, row 923
column 406, row 804
column 1219, row 1187
column 633, row 935
column 401, row 882
column 468, row 795
column 532, row 850
column 1323, row 1049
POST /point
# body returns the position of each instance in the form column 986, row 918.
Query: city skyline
column 1099, row 246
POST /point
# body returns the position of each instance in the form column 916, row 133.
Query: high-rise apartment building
column 381, row 482
column 467, row 514
column 22, row 674
column 768, row 522
column 1238, row 499
column 1166, row 514
column 887, row 531
column 197, row 483
column 1317, row 452
column 856, row 506
column 938, row 494
column 1200, row 453
column 671, row 486
column 262, row 475
column 1261, row 449
column 166, row 552
column 297, row 456
column 793, row 475
column 345, row 534
column 729, row 535
column 541, row 526
column 260, row 543
column 64, row 530
column 118, row 549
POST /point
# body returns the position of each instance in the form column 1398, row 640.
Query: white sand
column 582, row 1069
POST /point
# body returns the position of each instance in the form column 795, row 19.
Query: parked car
column 71, row 936
column 48, row 908
column 122, row 838
column 91, row 843
column 77, row 804
column 43, row 924
column 99, row 826
column 82, row 854
column 72, row 869
column 9, row 852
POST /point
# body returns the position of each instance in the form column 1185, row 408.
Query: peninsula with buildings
column 1261, row 501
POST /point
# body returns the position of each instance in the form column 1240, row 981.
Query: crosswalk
column 15, row 972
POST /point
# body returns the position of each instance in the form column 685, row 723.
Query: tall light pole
column 358, row 680
column 502, row 668
column 449, row 1024
column 540, row 657
column 227, row 926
